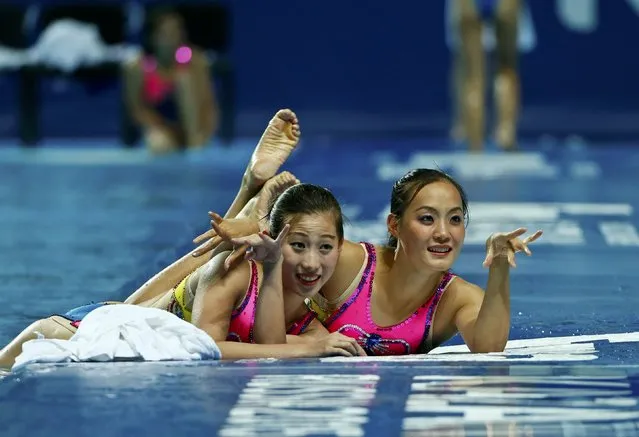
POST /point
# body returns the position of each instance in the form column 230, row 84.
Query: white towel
column 67, row 44
column 124, row 332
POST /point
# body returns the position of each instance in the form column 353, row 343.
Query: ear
column 392, row 223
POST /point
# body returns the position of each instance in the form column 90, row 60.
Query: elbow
column 487, row 346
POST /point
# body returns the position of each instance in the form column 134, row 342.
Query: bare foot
column 270, row 192
column 278, row 141
column 160, row 141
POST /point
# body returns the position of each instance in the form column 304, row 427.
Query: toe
column 286, row 115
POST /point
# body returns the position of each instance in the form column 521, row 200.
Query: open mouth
column 308, row 280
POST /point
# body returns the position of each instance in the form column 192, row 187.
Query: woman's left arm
column 483, row 318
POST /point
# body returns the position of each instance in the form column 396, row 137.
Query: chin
column 309, row 292
column 438, row 265
column 306, row 293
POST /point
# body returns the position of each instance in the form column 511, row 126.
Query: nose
column 441, row 234
column 311, row 262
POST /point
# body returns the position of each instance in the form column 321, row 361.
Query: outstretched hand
column 224, row 230
column 261, row 247
column 505, row 245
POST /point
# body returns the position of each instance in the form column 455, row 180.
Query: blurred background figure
column 168, row 88
column 482, row 26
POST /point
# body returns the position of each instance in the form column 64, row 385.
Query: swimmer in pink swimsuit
column 353, row 318
column 169, row 90
column 242, row 323
column 401, row 298
column 387, row 297
column 280, row 274
column 242, row 327
column 308, row 257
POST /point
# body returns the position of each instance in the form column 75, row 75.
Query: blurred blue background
column 381, row 68
column 83, row 218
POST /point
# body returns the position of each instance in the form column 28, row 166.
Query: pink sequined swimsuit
column 158, row 91
column 353, row 318
column 241, row 328
column 156, row 88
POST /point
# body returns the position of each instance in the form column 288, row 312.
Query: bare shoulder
column 464, row 285
column 350, row 261
column 385, row 258
column 459, row 294
column 463, row 292
column 213, row 274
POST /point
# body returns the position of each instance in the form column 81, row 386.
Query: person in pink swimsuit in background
column 401, row 298
column 168, row 90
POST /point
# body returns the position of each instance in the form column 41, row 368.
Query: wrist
column 269, row 265
column 500, row 263
column 499, row 269
column 305, row 350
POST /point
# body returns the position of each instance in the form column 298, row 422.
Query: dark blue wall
column 348, row 65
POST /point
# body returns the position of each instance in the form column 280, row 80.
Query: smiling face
column 431, row 230
column 428, row 215
column 312, row 246
column 310, row 253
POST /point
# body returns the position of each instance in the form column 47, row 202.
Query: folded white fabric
column 67, row 44
column 11, row 59
column 124, row 332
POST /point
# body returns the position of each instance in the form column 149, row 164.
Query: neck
column 409, row 280
column 294, row 306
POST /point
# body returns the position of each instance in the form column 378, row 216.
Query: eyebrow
column 431, row 209
column 303, row 234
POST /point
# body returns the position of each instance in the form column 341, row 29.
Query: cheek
column 330, row 262
column 459, row 233
column 289, row 262
column 415, row 232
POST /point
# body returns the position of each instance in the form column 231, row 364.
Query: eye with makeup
column 326, row 248
column 299, row 247
column 296, row 245
column 426, row 219
column 457, row 220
